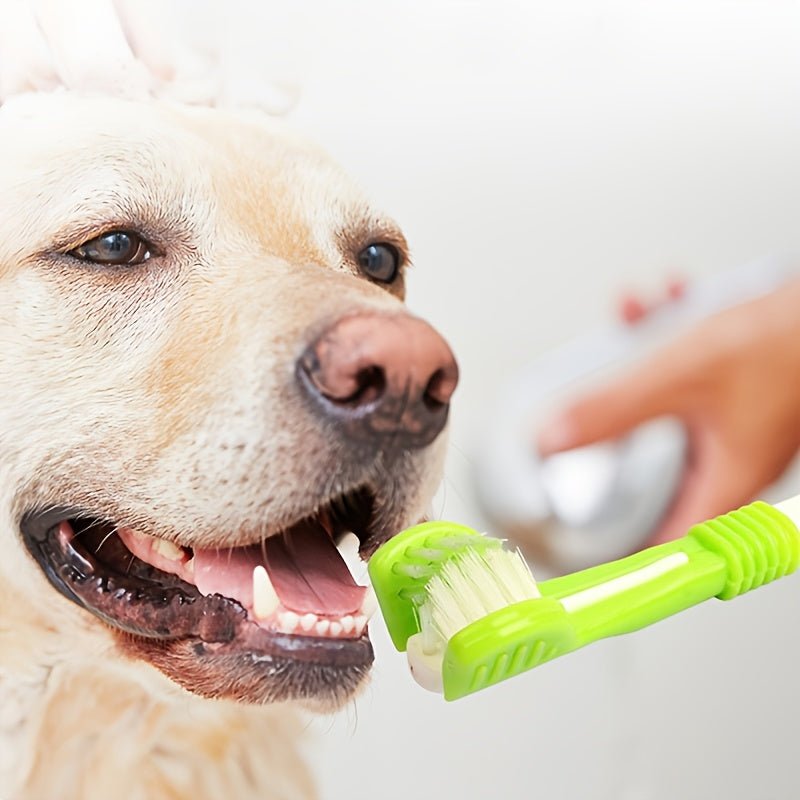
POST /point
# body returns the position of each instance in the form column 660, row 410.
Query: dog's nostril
column 435, row 395
column 441, row 385
column 370, row 386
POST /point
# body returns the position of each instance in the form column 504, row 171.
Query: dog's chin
column 219, row 646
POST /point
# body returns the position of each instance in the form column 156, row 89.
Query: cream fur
column 161, row 398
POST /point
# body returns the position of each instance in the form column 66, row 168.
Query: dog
column 207, row 377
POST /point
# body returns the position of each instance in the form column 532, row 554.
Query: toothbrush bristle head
column 402, row 568
column 472, row 585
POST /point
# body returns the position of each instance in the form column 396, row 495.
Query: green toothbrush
column 470, row 614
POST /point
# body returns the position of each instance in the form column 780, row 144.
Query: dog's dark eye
column 380, row 262
column 115, row 247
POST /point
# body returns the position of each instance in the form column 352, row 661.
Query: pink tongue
column 304, row 565
column 309, row 574
column 227, row 571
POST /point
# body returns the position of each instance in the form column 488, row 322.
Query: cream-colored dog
column 207, row 377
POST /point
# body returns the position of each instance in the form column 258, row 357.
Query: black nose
column 382, row 377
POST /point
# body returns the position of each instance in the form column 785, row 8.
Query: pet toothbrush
column 470, row 614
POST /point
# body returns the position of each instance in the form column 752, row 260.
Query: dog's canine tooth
column 265, row 598
column 323, row 626
column 189, row 566
column 168, row 549
column 348, row 550
column 369, row 605
column 360, row 623
column 308, row 621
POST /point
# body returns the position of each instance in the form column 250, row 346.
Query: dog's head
column 207, row 377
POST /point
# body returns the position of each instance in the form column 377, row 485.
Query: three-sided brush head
column 462, row 606
column 401, row 568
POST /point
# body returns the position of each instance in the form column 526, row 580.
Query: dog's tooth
column 347, row 623
column 189, row 566
column 369, row 605
column 336, row 628
column 137, row 535
column 287, row 621
column 323, row 626
column 265, row 598
column 361, row 623
column 168, row 550
column 348, row 550
column 308, row 621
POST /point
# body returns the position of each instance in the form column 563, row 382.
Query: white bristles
column 470, row 586
column 429, row 638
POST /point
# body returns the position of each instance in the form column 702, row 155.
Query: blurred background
column 542, row 158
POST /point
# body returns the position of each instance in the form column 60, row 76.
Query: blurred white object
column 135, row 49
column 600, row 502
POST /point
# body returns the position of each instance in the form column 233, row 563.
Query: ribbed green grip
column 758, row 543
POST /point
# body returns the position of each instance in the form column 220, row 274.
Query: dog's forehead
column 241, row 170
column 88, row 127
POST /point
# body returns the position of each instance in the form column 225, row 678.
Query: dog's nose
column 382, row 376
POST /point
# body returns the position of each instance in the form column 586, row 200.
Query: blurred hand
column 135, row 49
column 735, row 383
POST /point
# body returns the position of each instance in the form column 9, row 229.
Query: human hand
column 134, row 49
column 735, row 383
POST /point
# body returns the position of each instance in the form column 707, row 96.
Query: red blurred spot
column 632, row 309
column 676, row 288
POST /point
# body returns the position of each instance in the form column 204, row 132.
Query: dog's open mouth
column 289, row 599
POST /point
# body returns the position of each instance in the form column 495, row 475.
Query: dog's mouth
column 287, row 603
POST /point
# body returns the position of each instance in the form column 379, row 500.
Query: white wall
column 541, row 156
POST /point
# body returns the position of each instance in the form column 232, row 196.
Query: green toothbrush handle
column 723, row 558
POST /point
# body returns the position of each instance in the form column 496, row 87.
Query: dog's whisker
column 90, row 527
column 103, row 541
column 461, row 452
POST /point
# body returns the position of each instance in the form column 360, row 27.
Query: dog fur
column 163, row 397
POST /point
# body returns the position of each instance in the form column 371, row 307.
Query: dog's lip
column 218, row 625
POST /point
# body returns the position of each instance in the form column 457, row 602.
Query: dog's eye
column 115, row 247
column 380, row 262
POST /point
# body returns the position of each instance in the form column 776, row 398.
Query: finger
column 25, row 60
column 151, row 30
column 89, row 49
column 178, row 45
column 653, row 390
